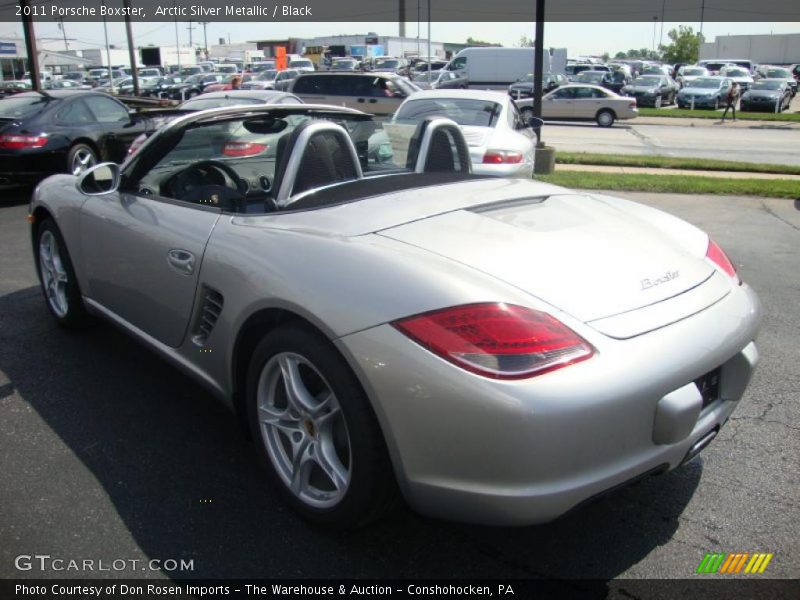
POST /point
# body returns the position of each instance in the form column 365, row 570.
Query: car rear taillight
column 715, row 254
column 497, row 340
column 242, row 149
column 632, row 105
column 13, row 141
column 500, row 157
column 136, row 144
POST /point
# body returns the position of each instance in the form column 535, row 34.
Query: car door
column 559, row 104
column 586, row 103
column 116, row 128
column 143, row 250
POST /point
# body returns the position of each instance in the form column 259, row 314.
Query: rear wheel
column 59, row 284
column 605, row 118
column 315, row 430
column 80, row 158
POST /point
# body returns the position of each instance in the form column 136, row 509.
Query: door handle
column 373, row 100
column 181, row 261
column 361, row 100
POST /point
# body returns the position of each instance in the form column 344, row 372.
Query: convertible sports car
column 495, row 350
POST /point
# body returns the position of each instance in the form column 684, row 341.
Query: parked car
column 689, row 73
column 344, row 64
column 774, row 95
column 781, row 73
column 496, row 351
column 442, row 79
column 378, row 93
column 74, row 76
column 12, row 88
column 302, row 65
column 265, row 80
column 572, row 70
column 583, row 102
column 227, row 68
column 618, row 79
column 192, row 70
column 261, row 66
column 653, row 90
column 66, row 84
column 158, row 86
column 388, row 64
column 114, row 87
column 523, row 87
column 436, row 65
column 500, row 142
column 226, row 84
column 191, row 86
column 601, row 78
column 704, row 92
column 738, row 75
column 284, row 79
column 62, row 131
column 149, row 72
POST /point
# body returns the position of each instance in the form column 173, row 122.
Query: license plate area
column 708, row 386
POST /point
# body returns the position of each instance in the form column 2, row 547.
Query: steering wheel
column 210, row 182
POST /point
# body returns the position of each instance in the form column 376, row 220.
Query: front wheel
column 658, row 101
column 57, row 277
column 315, row 430
column 605, row 118
column 80, row 158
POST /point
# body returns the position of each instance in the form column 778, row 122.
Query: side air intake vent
column 208, row 315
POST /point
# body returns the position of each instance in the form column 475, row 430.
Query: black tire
column 64, row 303
column 370, row 489
column 605, row 117
column 80, row 154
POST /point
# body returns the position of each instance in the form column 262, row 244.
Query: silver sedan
column 493, row 350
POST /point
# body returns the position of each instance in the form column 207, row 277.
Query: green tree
column 526, row 42
column 606, row 56
column 685, row 46
column 473, row 42
column 621, row 55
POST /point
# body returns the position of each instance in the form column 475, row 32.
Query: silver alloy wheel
column 304, row 430
column 657, row 103
column 605, row 119
column 82, row 160
column 54, row 275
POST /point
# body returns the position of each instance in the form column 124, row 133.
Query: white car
column 500, row 141
column 738, row 75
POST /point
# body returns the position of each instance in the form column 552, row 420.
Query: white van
column 497, row 68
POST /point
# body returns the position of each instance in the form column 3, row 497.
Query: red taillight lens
column 719, row 258
column 632, row 105
column 499, row 157
column 497, row 340
column 20, row 142
column 136, row 144
column 242, row 149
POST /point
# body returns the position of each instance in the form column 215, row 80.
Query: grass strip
column 713, row 114
column 676, row 184
column 671, row 162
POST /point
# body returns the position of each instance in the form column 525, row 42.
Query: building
column 781, row 48
column 379, row 45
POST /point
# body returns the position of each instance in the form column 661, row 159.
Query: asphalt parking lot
column 108, row 453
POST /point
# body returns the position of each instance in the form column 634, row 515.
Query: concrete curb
column 700, row 122
column 560, row 167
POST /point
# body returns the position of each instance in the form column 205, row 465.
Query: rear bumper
column 28, row 168
column 523, row 169
column 515, row 453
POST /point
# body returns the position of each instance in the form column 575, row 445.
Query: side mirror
column 100, row 179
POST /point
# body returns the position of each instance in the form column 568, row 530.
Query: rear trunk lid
column 581, row 255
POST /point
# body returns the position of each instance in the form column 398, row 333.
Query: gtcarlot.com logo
column 46, row 562
column 734, row 563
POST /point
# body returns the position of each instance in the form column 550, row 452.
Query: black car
column 523, row 87
column 153, row 87
column 193, row 85
column 652, row 90
column 618, row 80
column 773, row 95
column 62, row 131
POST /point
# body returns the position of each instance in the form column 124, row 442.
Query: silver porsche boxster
column 492, row 350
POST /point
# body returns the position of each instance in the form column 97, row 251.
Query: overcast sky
column 578, row 38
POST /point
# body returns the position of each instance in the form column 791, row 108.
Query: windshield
column 464, row 111
column 343, row 64
column 647, row 81
column 705, row 82
column 301, row 63
column 736, row 73
column 194, row 78
column 695, row 72
column 20, row 108
column 98, row 72
column 590, row 77
column 526, row 79
column 386, row 64
column 778, row 73
column 766, row 84
column 267, row 75
column 227, row 69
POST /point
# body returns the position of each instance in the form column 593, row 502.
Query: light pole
column 205, row 38
column 661, row 35
column 655, row 20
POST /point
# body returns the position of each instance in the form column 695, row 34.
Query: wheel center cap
column 308, row 424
